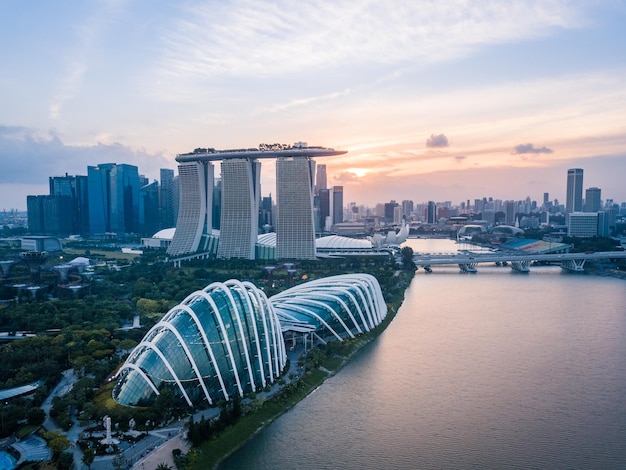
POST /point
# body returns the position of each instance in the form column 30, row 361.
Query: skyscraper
column 241, row 194
column 195, row 180
column 574, row 200
column 431, row 213
column 593, row 200
column 337, row 202
column 324, row 208
column 149, row 220
column 166, row 198
column 320, row 178
column 113, row 194
column 295, row 233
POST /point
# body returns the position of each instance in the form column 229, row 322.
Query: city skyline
column 432, row 102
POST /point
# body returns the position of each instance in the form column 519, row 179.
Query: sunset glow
column 432, row 100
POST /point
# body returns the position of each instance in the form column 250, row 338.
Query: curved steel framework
column 227, row 338
column 339, row 306
column 221, row 340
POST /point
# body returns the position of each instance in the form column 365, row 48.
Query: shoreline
column 316, row 378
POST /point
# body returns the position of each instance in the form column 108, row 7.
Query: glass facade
column 220, row 341
column 227, row 338
column 337, row 307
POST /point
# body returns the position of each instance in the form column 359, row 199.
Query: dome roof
column 166, row 233
column 335, row 242
column 222, row 340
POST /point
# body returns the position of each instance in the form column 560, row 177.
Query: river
column 496, row 369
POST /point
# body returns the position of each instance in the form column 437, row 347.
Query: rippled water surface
column 489, row 370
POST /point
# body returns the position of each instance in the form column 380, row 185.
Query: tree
column 163, row 466
column 36, row 416
column 88, row 457
column 119, row 463
column 407, row 258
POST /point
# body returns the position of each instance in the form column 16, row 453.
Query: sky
column 433, row 100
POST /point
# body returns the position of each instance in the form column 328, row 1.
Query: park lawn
column 104, row 397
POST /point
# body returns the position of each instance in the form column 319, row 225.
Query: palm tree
column 163, row 466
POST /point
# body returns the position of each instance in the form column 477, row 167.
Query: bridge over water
column 467, row 261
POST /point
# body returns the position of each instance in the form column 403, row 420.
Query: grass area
column 104, row 397
column 101, row 254
column 26, row 430
column 210, row 453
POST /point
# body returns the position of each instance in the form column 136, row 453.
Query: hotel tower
column 240, row 194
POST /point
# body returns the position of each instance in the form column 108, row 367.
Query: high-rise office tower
column 76, row 188
column 407, row 209
column 324, row 208
column 337, row 204
column 195, row 180
column 166, row 198
column 431, row 213
column 149, row 215
column 217, row 203
column 510, row 210
column 574, row 200
column 593, row 200
column 389, row 211
column 266, row 219
column 320, row 178
column 113, row 194
column 295, row 232
column 241, row 194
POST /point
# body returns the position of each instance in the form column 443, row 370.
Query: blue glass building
column 113, row 195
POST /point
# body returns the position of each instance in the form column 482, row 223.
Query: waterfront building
column 335, row 308
column 295, row 228
column 195, row 181
column 240, row 194
column 221, row 341
column 227, row 339
column 574, row 196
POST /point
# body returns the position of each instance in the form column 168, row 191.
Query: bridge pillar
column 521, row 266
column 468, row 267
column 577, row 265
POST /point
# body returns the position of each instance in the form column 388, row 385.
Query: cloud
column 346, row 177
column 437, row 141
column 460, row 158
column 522, row 149
column 30, row 157
column 248, row 38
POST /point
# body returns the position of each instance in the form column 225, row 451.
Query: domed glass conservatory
column 335, row 307
column 222, row 340
column 227, row 338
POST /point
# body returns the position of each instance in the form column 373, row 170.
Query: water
column 7, row 462
column 489, row 370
